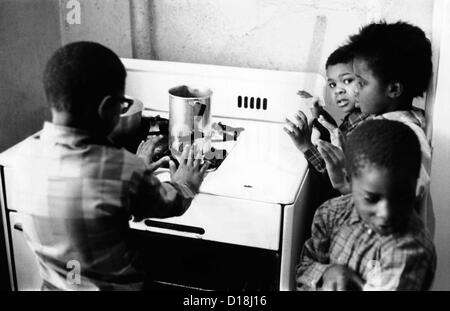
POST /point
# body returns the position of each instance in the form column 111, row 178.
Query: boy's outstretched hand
column 335, row 162
column 341, row 278
column 300, row 132
column 145, row 151
column 190, row 171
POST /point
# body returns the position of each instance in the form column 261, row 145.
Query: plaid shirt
column 349, row 123
column 401, row 261
column 76, row 195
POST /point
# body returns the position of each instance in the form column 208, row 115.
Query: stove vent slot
column 247, row 102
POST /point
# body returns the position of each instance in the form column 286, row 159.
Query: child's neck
column 67, row 120
column 399, row 105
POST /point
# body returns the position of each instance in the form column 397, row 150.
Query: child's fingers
column 204, row 167
column 139, row 149
column 301, row 117
column 327, row 152
column 157, row 164
column 294, row 127
column 190, row 159
column 304, row 94
column 290, row 133
column 184, row 154
column 330, row 127
column 172, row 167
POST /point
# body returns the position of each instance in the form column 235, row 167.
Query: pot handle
column 201, row 109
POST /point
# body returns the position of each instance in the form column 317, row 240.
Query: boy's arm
column 151, row 198
column 313, row 156
column 156, row 199
column 315, row 257
column 408, row 266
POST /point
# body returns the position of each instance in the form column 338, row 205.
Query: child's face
column 342, row 85
column 372, row 93
column 383, row 200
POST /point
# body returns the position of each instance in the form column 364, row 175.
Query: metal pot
column 129, row 120
column 189, row 118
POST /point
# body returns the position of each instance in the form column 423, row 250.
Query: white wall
column 440, row 171
column 292, row 35
column 269, row 34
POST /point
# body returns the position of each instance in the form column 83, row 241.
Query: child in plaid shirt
column 342, row 84
column 76, row 190
column 372, row 239
column 393, row 66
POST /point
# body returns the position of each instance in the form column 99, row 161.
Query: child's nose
column 383, row 212
column 339, row 91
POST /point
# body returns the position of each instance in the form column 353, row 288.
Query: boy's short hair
column 383, row 143
column 342, row 55
column 80, row 74
column 396, row 52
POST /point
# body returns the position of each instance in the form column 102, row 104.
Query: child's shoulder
column 412, row 117
column 415, row 236
column 338, row 208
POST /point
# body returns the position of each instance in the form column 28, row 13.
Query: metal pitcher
column 189, row 119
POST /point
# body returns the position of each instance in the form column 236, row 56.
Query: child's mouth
column 342, row 102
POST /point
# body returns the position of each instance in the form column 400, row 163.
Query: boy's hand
column 312, row 102
column 300, row 133
column 145, row 151
column 340, row 278
column 335, row 162
column 336, row 136
column 190, row 171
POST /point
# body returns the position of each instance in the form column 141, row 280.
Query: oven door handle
column 175, row 227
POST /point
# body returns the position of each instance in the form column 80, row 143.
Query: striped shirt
column 75, row 194
column 399, row 261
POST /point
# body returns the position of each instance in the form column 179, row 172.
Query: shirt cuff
column 315, row 159
column 314, row 275
column 184, row 189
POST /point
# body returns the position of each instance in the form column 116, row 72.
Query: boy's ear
column 395, row 89
column 347, row 176
column 107, row 109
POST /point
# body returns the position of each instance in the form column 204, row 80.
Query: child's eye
column 331, row 85
column 348, row 81
column 370, row 199
column 361, row 83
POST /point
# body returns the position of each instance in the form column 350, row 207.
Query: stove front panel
column 222, row 219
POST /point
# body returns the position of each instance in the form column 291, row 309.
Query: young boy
column 77, row 191
column 342, row 84
column 393, row 66
column 372, row 239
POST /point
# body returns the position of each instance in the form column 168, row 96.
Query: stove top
column 157, row 125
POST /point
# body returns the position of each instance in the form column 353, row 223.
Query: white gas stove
column 258, row 197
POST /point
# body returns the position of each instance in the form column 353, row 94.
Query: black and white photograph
column 224, row 151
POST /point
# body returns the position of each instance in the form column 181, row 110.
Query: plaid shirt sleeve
column 315, row 256
column 315, row 159
column 407, row 266
column 157, row 199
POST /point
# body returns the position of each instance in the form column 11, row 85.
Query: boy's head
column 383, row 160
column 393, row 65
column 84, row 83
column 341, row 80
